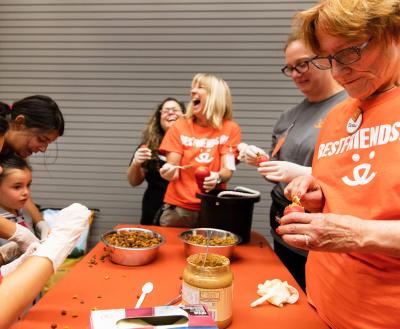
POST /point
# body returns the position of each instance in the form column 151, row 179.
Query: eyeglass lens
column 170, row 109
column 300, row 68
column 345, row 56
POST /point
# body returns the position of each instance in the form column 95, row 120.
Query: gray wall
column 108, row 63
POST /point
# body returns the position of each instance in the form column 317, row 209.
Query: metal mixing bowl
column 132, row 256
column 193, row 248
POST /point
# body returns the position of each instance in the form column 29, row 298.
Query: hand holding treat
column 200, row 174
column 142, row 154
column 295, row 206
column 261, row 157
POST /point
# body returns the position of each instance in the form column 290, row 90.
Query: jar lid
column 208, row 260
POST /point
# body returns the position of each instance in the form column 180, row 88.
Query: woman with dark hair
column 40, row 260
column 34, row 123
column 146, row 162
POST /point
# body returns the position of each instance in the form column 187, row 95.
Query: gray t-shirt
column 304, row 122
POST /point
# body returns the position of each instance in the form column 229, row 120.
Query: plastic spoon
column 146, row 289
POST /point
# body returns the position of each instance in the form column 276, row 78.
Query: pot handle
column 240, row 191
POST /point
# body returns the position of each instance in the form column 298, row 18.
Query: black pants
column 295, row 261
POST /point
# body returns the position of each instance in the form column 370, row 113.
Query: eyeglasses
column 166, row 110
column 300, row 68
column 345, row 56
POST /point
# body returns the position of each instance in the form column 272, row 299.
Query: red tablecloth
column 106, row 285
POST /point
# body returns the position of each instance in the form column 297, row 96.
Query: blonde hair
column 218, row 106
column 352, row 20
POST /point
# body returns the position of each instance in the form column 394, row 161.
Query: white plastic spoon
column 146, row 289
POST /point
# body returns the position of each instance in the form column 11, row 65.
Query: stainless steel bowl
column 132, row 256
column 192, row 248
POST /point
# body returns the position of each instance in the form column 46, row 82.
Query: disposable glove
column 23, row 237
column 282, row 171
column 42, row 229
column 69, row 224
column 141, row 155
column 211, row 181
column 248, row 153
column 169, row 172
column 10, row 251
column 10, row 267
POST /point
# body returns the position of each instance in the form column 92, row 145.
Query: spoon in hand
column 146, row 289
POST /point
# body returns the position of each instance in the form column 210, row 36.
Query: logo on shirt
column 204, row 158
column 361, row 172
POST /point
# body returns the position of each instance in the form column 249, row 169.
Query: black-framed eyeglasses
column 174, row 110
column 345, row 56
column 300, row 67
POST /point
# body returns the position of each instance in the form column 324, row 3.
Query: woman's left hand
column 211, row 181
column 321, row 232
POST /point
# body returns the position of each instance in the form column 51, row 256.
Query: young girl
column 15, row 181
column 205, row 137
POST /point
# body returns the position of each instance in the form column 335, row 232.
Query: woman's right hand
column 309, row 192
column 141, row 155
column 169, row 172
column 249, row 153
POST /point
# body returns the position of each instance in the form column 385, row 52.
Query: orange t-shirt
column 199, row 146
column 358, row 174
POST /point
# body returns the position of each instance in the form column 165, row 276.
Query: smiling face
column 24, row 141
column 309, row 82
column 377, row 69
column 170, row 112
column 199, row 96
column 15, row 188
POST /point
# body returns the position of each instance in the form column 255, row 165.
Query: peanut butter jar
column 208, row 280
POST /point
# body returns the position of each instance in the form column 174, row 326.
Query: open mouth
column 172, row 118
column 196, row 102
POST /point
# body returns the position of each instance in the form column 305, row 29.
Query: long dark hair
column 4, row 126
column 153, row 133
column 40, row 112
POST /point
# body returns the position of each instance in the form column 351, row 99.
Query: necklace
column 379, row 92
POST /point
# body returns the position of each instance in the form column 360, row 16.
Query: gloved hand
column 282, row 171
column 23, row 237
column 42, row 229
column 169, row 172
column 69, row 224
column 10, row 267
column 141, row 155
column 211, row 181
column 9, row 251
column 248, row 153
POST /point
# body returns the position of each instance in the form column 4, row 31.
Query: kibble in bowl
column 219, row 242
column 132, row 246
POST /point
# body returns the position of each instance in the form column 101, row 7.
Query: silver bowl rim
column 182, row 237
column 132, row 229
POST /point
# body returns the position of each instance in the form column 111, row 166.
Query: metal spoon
column 146, row 289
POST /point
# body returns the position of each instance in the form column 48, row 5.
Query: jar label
column 218, row 301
